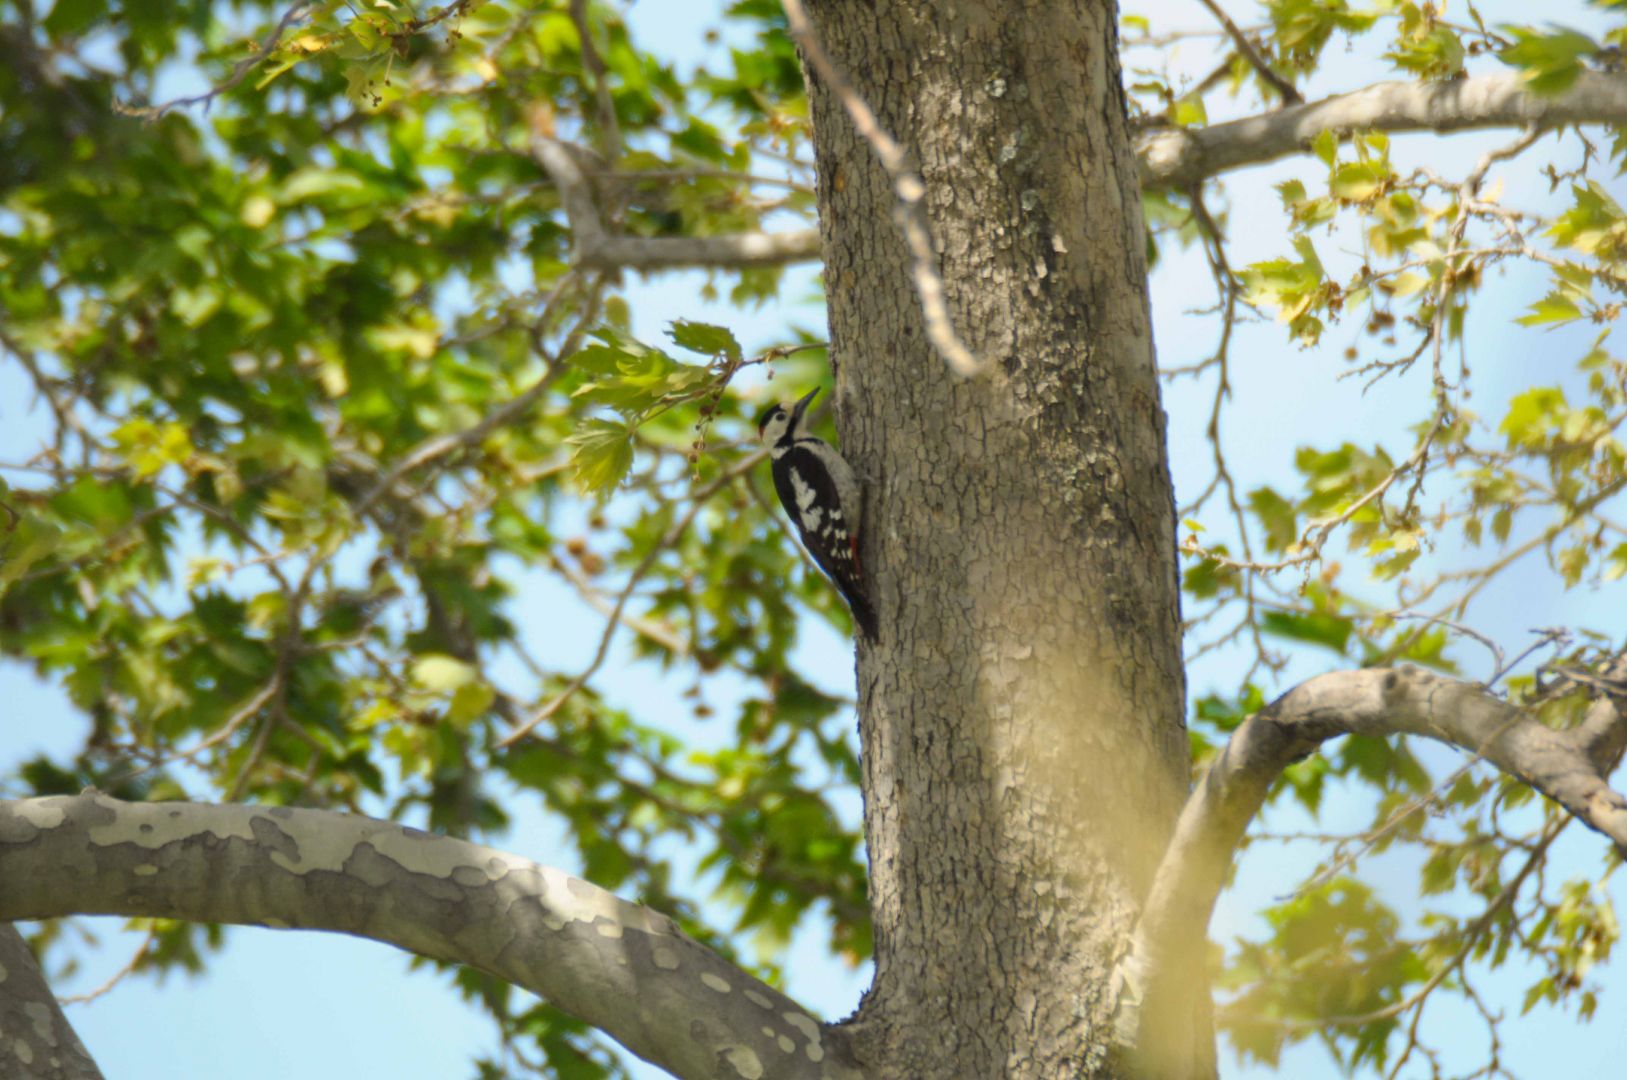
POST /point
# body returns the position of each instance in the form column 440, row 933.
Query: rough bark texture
column 36, row 1041
column 1022, row 714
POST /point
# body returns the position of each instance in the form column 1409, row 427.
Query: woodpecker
column 821, row 496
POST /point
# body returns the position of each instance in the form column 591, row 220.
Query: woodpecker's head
column 783, row 422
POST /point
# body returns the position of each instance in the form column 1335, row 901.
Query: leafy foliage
column 321, row 394
column 1378, row 551
column 328, row 409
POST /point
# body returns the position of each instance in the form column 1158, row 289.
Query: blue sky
column 320, row 1006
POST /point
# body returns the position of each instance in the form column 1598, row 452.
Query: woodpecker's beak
column 802, row 405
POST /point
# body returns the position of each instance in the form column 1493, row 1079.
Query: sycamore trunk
column 1024, row 747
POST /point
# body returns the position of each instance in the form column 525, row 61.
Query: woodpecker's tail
column 864, row 613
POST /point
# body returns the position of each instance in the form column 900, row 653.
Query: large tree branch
column 623, row 968
column 1569, row 767
column 1169, row 158
column 1183, row 156
column 1176, row 157
column 599, row 249
column 38, row 1042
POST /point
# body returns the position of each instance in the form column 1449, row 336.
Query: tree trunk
column 38, row 1043
column 1024, row 746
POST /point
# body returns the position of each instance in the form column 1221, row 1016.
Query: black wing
column 810, row 500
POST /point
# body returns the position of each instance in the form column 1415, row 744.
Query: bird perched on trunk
column 821, row 495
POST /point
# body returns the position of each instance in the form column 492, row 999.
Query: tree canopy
column 327, row 315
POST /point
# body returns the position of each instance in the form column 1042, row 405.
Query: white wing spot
column 808, row 515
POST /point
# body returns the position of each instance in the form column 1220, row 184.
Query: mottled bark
column 1570, row 767
column 620, row 967
column 36, row 1040
column 1024, row 749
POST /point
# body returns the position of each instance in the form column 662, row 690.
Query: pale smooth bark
column 1180, row 157
column 1021, row 716
column 623, row 968
column 1570, row 767
column 1171, row 157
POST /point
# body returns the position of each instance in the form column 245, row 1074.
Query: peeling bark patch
column 271, row 836
column 40, row 814
column 627, row 970
column 22, row 1052
column 470, row 877
column 810, row 1031
column 744, row 1061
column 41, row 1016
column 154, row 827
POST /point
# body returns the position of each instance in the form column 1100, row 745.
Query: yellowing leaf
column 436, row 671
column 1551, row 309
column 257, row 210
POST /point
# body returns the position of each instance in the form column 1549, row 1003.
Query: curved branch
column 40, row 1044
column 1174, row 157
column 1569, row 767
column 1282, row 86
column 1180, row 157
column 620, row 967
column 596, row 248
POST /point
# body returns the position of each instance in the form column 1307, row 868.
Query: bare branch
column 620, row 967
column 1179, row 157
column 1566, row 766
column 598, row 249
column 613, row 621
column 267, row 46
column 604, row 104
column 1282, row 86
column 909, row 188
column 40, row 1044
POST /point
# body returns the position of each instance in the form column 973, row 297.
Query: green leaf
column 1277, row 516
column 704, row 338
column 1551, row 310
column 70, row 18
column 469, row 702
column 1358, row 180
column 1189, row 111
column 601, row 454
column 1315, row 628
column 1548, row 62
column 24, row 544
column 1326, row 146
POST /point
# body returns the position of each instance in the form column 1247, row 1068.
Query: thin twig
column 670, row 537
column 1283, row 87
column 605, row 105
column 118, row 976
column 907, row 186
column 268, row 45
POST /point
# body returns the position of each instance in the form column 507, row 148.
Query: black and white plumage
column 821, row 495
